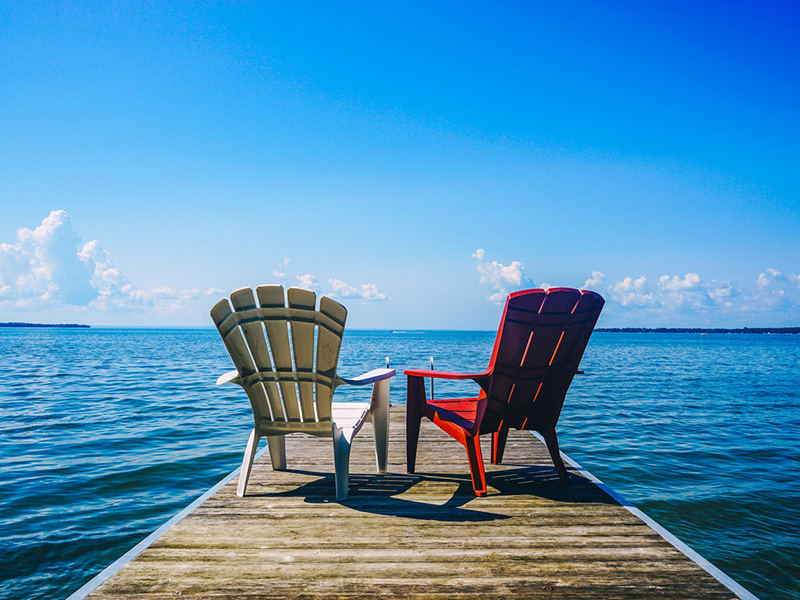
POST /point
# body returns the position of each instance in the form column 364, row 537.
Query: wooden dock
column 412, row 536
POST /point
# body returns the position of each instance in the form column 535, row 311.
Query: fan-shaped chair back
column 286, row 352
column 539, row 344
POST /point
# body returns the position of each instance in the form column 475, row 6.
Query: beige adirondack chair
column 289, row 375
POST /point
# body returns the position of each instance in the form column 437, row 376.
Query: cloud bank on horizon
column 50, row 268
column 772, row 292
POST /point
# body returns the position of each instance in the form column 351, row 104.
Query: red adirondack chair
column 539, row 345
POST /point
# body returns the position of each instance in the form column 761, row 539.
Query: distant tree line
column 42, row 325
column 697, row 330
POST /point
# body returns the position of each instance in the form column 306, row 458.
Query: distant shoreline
column 59, row 325
column 698, row 330
column 778, row 330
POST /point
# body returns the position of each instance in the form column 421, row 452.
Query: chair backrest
column 286, row 353
column 539, row 345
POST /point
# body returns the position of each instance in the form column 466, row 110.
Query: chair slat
column 234, row 342
column 513, row 338
column 532, row 393
column 222, row 315
column 303, row 346
column 245, row 304
column 584, row 318
column 272, row 296
column 329, row 343
column 567, row 357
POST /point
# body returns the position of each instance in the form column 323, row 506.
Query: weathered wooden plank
column 420, row 536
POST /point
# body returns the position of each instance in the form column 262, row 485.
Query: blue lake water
column 107, row 433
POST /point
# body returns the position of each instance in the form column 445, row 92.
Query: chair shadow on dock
column 542, row 481
column 420, row 495
column 379, row 495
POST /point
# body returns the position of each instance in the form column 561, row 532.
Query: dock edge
column 692, row 555
column 111, row 569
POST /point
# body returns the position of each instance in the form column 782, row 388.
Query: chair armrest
column 229, row 377
column 444, row 374
column 369, row 377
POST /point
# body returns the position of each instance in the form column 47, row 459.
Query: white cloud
column 46, row 265
column 777, row 291
column 691, row 281
column 497, row 297
column 633, row 292
column 722, row 292
column 308, row 282
column 685, row 292
column 15, row 271
column 367, row 291
column 51, row 267
column 773, row 277
column 595, row 282
column 280, row 272
column 773, row 298
column 672, row 292
column 500, row 278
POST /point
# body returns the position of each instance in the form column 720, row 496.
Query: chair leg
column 473, row 446
column 499, row 445
column 380, row 422
column 552, row 446
column 342, row 439
column 247, row 461
column 277, row 451
column 414, row 399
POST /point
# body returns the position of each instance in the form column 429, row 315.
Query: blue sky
column 416, row 160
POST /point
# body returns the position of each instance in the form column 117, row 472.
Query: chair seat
column 349, row 415
column 461, row 411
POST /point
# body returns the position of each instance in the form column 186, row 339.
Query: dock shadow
column 379, row 495
column 542, row 481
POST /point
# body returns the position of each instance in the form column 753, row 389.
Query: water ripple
column 108, row 433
